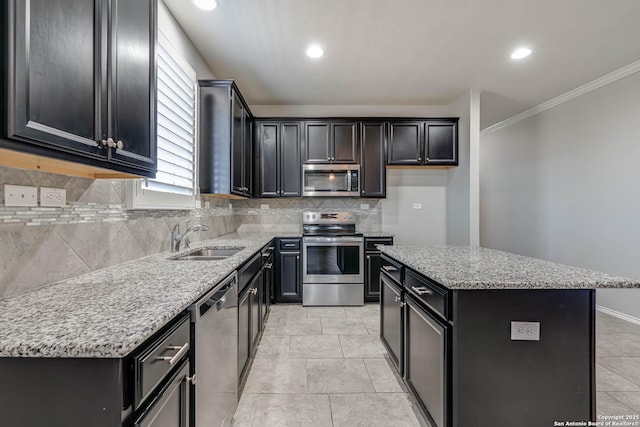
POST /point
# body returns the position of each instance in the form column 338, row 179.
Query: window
column 174, row 185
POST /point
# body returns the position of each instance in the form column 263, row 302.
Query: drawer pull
column 397, row 299
column 289, row 245
column 389, row 268
column 192, row 379
column 181, row 352
column 422, row 290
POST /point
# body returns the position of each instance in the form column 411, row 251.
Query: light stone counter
column 466, row 267
column 109, row 312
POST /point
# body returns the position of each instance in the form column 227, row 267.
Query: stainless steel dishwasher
column 215, row 364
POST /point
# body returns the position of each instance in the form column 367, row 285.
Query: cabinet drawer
column 371, row 242
column 159, row 358
column 289, row 244
column 248, row 270
column 428, row 292
column 392, row 269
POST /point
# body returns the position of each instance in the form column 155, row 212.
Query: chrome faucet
column 177, row 238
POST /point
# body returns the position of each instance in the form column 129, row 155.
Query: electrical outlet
column 207, row 205
column 20, row 195
column 53, row 196
column 198, row 204
column 364, row 206
column 525, row 331
column 264, row 206
column 417, row 206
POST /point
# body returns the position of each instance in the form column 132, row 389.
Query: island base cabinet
column 498, row 381
column 426, row 363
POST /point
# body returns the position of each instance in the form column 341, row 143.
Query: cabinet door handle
column 102, row 142
column 111, row 143
column 427, row 159
column 298, row 257
column 268, row 266
column 181, row 352
column 419, row 159
column 368, row 256
column 192, row 379
column 389, row 268
column 402, row 304
column 421, row 290
column 397, row 299
column 119, row 144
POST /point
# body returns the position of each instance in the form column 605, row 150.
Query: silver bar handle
column 421, row 290
column 181, row 352
column 389, row 268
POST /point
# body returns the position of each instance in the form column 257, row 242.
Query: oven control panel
column 328, row 218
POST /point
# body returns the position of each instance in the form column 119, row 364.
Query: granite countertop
column 109, row 312
column 466, row 267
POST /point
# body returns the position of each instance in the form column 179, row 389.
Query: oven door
column 333, row 260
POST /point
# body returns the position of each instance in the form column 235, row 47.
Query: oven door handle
column 333, row 240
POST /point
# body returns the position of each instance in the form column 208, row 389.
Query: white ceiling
column 412, row 52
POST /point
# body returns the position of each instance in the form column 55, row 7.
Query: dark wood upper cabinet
column 344, row 145
column 290, row 160
column 317, row 147
column 373, row 160
column 441, row 143
column 133, row 70
column 279, row 172
column 405, row 143
column 425, row 143
column 225, row 123
column 268, row 137
column 330, row 142
column 80, row 77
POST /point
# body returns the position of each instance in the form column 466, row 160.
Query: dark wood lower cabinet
column 426, row 365
column 288, row 273
column 391, row 320
column 373, row 263
column 171, row 409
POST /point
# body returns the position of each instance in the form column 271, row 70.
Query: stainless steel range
column 333, row 259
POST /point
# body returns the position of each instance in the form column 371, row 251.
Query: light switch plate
column 53, row 196
column 417, row 206
column 525, row 331
column 20, row 195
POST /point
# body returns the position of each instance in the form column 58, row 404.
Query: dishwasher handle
column 216, row 298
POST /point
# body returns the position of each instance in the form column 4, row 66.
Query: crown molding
column 621, row 73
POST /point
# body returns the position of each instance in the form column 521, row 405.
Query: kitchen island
column 487, row 338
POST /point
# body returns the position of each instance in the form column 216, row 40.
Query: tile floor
column 325, row 366
column 617, row 366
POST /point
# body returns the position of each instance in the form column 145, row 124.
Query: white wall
column 172, row 30
column 462, row 185
column 564, row 185
column 426, row 226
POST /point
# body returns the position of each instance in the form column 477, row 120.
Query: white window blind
column 175, row 128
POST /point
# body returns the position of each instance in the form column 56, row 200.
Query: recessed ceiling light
column 521, row 52
column 315, row 51
column 206, row 4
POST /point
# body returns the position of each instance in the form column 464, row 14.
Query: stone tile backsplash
column 285, row 215
column 39, row 246
column 42, row 245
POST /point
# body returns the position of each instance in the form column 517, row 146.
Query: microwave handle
column 349, row 180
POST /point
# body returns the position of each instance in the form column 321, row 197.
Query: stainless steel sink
column 209, row 254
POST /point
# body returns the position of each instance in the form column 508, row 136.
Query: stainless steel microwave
column 331, row 180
